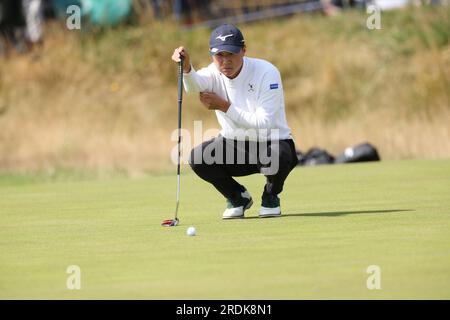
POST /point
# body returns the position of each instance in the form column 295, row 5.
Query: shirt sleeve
column 268, row 104
column 198, row 81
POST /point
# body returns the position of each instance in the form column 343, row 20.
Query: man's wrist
column 225, row 106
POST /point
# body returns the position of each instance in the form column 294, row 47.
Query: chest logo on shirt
column 250, row 88
column 274, row 86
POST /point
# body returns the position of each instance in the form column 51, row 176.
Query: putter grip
column 180, row 65
column 180, row 79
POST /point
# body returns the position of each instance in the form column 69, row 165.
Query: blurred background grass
column 107, row 101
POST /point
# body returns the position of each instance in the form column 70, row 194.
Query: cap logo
column 224, row 38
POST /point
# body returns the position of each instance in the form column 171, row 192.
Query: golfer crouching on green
column 247, row 97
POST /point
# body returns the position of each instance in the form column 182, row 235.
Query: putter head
column 170, row 222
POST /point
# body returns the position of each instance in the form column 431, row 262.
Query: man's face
column 229, row 63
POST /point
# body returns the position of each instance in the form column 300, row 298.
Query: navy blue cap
column 226, row 37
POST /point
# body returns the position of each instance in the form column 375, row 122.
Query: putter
column 174, row 222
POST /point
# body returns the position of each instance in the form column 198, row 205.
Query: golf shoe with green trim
column 236, row 207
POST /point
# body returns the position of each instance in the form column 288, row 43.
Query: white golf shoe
column 236, row 207
column 270, row 206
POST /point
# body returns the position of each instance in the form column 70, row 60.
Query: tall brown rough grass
column 107, row 101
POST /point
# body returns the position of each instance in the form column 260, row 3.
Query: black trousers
column 218, row 160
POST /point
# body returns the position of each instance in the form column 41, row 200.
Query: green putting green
column 337, row 221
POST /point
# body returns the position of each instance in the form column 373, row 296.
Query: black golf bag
column 359, row 153
column 314, row 156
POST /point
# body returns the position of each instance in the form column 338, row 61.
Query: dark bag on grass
column 315, row 156
column 300, row 157
column 360, row 153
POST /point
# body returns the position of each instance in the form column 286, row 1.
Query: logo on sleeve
column 274, row 86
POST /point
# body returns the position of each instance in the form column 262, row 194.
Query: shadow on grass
column 335, row 213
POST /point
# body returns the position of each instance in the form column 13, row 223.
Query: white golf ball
column 191, row 231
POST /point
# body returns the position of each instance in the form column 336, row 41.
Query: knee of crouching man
column 195, row 158
column 269, row 159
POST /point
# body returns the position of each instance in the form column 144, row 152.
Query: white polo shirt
column 256, row 97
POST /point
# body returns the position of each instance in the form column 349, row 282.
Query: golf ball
column 191, row 231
